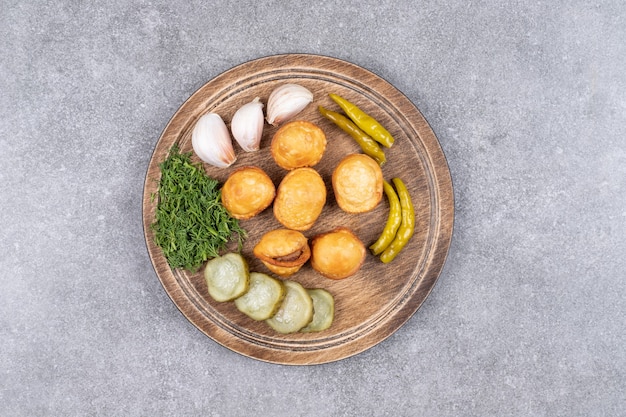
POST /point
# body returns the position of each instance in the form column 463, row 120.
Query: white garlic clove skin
column 286, row 101
column 211, row 141
column 247, row 125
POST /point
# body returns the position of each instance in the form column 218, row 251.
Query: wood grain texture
column 379, row 299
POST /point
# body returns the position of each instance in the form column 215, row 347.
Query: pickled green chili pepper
column 393, row 221
column 407, row 226
column 364, row 121
column 367, row 144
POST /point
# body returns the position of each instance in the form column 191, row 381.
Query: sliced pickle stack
column 286, row 306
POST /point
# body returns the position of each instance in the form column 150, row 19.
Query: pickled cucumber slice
column 323, row 310
column 227, row 277
column 295, row 312
column 263, row 297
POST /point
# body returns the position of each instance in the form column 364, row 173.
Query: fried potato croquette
column 337, row 254
column 247, row 192
column 300, row 198
column 357, row 183
column 283, row 251
column 298, row 144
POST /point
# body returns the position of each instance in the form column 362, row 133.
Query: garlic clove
column 211, row 141
column 247, row 125
column 286, row 101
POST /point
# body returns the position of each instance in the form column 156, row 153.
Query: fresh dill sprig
column 191, row 224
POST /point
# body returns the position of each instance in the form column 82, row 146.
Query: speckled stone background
column 528, row 100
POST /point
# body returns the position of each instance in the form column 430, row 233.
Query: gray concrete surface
column 528, row 100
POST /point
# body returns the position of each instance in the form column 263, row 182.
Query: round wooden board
column 380, row 298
